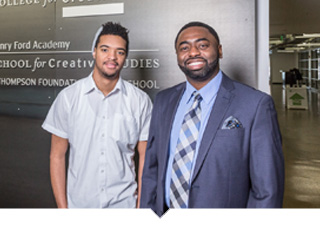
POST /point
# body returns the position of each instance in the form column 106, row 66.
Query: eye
column 122, row 53
column 184, row 48
column 203, row 46
column 104, row 49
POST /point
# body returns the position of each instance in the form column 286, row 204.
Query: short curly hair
column 111, row 28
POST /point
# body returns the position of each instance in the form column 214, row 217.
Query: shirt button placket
column 103, row 161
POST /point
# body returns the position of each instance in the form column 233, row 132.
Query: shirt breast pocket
column 125, row 130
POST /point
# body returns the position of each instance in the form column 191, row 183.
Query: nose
column 194, row 51
column 112, row 55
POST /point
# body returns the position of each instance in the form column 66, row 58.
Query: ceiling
column 294, row 42
column 294, row 25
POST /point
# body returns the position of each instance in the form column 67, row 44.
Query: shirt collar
column 208, row 92
column 90, row 85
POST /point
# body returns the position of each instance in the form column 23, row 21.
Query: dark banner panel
column 46, row 45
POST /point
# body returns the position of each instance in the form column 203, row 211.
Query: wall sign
column 46, row 44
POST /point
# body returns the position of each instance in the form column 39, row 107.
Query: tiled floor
column 301, row 146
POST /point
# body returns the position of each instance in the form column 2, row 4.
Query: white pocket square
column 231, row 123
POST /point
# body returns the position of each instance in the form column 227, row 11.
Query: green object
column 296, row 99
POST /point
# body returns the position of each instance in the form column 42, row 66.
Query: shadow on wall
column 236, row 73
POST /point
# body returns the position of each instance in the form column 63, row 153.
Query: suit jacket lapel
column 217, row 114
column 170, row 109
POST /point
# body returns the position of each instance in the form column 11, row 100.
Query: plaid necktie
column 183, row 158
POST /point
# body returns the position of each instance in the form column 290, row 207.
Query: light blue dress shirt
column 209, row 94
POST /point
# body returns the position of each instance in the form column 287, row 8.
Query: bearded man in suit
column 213, row 142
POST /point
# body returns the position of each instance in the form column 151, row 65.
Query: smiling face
column 110, row 56
column 198, row 54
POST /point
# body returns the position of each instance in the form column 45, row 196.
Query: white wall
column 262, row 31
column 282, row 61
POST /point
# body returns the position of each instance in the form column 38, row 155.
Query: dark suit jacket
column 235, row 168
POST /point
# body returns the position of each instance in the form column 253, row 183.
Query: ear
column 94, row 53
column 220, row 51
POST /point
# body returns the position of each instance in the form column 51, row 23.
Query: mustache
column 111, row 61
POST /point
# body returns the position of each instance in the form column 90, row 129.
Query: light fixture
column 311, row 35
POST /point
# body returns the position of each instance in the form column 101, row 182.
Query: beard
column 203, row 74
column 109, row 76
column 105, row 74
